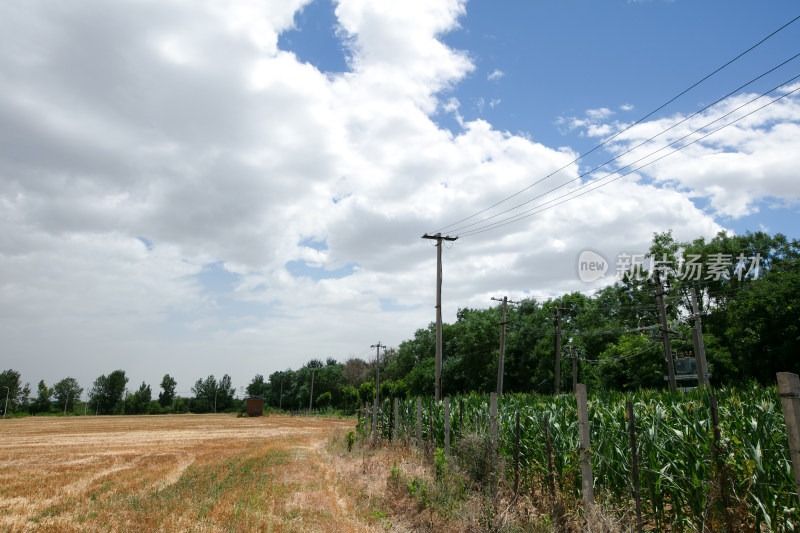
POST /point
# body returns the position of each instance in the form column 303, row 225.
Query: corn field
column 689, row 481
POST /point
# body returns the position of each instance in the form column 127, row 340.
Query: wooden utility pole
column 438, row 380
column 557, row 379
column 280, row 395
column 500, row 361
column 699, row 347
column 662, row 315
column 789, row 389
column 377, row 388
column 587, row 479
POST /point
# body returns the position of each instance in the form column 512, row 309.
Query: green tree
column 366, row 392
column 167, row 394
column 42, row 402
column 107, row 391
column 138, row 403
column 16, row 394
column 258, row 387
column 324, row 400
column 205, row 395
column 349, row 396
column 225, row 393
column 67, row 392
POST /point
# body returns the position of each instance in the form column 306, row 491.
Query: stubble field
column 173, row 473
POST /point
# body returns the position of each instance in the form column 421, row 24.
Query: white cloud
column 495, row 75
column 734, row 168
column 599, row 114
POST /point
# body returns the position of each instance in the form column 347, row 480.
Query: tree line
column 747, row 288
column 748, row 294
column 109, row 395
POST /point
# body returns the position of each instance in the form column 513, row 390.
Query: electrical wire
column 640, row 120
column 629, row 150
column 534, row 211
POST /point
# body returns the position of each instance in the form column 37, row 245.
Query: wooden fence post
column 375, row 421
column 551, row 474
column 431, row 446
column 493, row 416
column 516, row 454
column 789, row 389
column 447, row 427
column 635, row 467
column 419, row 421
column 587, row 481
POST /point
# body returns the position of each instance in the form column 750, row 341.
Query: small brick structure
column 255, row 406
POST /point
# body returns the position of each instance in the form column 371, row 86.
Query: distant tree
column 42, row 402
column 330, row 361
column 355, row 372
column 258, row 387
column 23, row 398
column 106, row 394
column 167, row 394
column 225, row 393
column 10, row 379
column 139, row 402
column 349, row 397
column 366, row 392
column 66, row 392
column 324, row 400
column 204, row 391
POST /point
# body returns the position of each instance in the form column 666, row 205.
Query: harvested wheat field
column 173, row 473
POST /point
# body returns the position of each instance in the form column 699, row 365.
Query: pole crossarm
column 439, row 236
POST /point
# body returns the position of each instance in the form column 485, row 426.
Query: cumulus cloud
column 735, row 154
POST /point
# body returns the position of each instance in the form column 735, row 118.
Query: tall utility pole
column 377, row 388
column 662, row 315
column 438, row 380
column 557, row 379
column 500, row 361
column 699, row 347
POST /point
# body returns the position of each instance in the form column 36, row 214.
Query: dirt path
column 174, row 473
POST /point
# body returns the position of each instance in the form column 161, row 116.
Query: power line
column 640, row 120
column 629, row 150
column 533, row 210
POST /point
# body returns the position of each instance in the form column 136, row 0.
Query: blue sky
column 193, row 184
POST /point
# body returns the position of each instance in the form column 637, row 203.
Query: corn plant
column 688, row 481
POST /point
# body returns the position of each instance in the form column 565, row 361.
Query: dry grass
column 199, row 473
column 378, row 479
